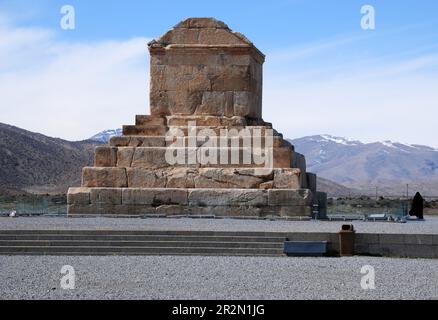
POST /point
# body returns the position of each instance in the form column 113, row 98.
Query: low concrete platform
column 62, row 236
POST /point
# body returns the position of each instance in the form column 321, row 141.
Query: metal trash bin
column 346, row 240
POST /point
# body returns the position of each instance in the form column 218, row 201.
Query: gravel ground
column 194, row 277
column 429, row 226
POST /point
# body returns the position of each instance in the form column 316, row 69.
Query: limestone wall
column 201, row 67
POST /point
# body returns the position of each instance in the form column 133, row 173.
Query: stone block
column 183, row 102
column 105, row 156
column 267, row 185
column 106, row 196
column 145, row 141
column 181, row 178
column 121, row 141
column 149, row 158
column 227, row 178
column 217, row 36
column 227, row 197
column 143, row 120
column 241, row 103
column 129, row 130
column 282, row 157
column 290, row 211
column 289, row 197
column 171, row 210
column 78, row 196
column 213, row 103
column 287, row 178
column 103, row 177
column 145, row 178
column 124, row 156
column 154, row 196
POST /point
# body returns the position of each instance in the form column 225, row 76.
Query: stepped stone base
column 186, row 201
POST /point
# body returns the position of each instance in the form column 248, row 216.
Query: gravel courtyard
column 429, row 226
column 194, row 277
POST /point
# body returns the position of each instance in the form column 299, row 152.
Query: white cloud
column 70, row 89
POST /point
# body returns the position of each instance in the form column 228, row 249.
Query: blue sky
column 323, row 73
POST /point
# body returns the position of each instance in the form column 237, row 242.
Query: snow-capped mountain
column 105, row 136
column 387, row 165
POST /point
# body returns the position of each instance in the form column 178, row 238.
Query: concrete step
column 139, row 242
column 150, row 238
column 145, row 233
column 137, row 250
column 100, row 243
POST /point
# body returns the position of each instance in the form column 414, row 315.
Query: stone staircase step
column 119, row 242
column 159, row 243
column 140, row 239
column 106, row 232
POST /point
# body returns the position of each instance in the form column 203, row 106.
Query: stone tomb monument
column 204, row 149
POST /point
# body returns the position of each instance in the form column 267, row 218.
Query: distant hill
column 387, row 165
column 36, row 163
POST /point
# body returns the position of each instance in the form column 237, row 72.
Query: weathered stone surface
column 144, row 130
column 217, row 36
column 107, row 196
column 143, row 120
column 149, row 158
column 78, row 196
column 287, row 178
column 121, row 141
column 145, row 178
column 228, row 178
column 282, row 157
column 103, row 177
column 201, row 23
column 213, row 103
column 241, row 103
column 290, row 197
column 267, row 185
column 105, row 156
column 145, row 141
column 227, row 197
column 181, row 178
column 124, row 156
column 154, row 197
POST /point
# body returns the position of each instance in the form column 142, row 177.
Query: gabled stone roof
column 203, row 32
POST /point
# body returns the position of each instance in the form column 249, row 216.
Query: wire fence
column 340, row 205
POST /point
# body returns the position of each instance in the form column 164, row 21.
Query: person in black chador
column 417, row 206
